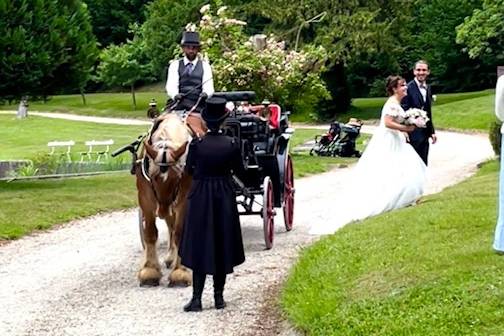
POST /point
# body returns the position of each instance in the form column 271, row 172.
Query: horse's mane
column 170, row 129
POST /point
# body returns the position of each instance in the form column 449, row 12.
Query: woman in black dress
column 212, row 241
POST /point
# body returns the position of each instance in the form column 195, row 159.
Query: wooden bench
column 54, row 145
column 102, row 151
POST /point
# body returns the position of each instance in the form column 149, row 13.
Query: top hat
column 190, row 38
column 215, row 110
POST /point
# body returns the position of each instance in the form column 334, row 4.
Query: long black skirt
column 212, row 240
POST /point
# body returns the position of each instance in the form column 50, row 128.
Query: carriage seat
column 235, row 96
column 275, row 113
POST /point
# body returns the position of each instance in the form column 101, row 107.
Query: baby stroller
column 325, row 144
column 345, row 146
column 339, row 140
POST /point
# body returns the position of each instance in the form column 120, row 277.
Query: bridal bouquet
column 416, row 117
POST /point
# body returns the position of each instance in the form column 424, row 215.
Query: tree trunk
column 133, row 95
column 83, row 97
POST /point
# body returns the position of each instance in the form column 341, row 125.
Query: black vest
column 190, row 85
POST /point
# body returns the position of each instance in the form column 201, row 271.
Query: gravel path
column 80, row 278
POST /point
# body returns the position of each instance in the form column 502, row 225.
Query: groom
column 420, row 96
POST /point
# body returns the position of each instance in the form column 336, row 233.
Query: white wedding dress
column 388, row 176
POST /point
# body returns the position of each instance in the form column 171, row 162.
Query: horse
column 163, row 186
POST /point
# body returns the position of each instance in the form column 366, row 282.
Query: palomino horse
column 163, row 186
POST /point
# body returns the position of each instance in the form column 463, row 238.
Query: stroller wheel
column 311, row 151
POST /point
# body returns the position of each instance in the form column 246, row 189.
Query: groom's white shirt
column 422, row 88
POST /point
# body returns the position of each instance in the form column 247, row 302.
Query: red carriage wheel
column 141, row 226
column 288, row 196
column 268, row 212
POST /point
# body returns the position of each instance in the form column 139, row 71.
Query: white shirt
column 499, row 100
column 172, row 82
column 423, row 89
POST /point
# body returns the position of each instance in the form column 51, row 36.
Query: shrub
column 495, row 136
column 264, row 65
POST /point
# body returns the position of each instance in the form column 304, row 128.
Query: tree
column 483, row 32
column 163, row 29
column 433, row 37
column 125, row 65
column 45, row 47
column 111, row 19
column 261, row 63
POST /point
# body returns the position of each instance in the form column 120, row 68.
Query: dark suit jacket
column 414, row 99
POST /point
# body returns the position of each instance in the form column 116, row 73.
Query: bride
column 389, row 175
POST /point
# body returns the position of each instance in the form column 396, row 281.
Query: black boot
column 219, row 281
column 198, row 285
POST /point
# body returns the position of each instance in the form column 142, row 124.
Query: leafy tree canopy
column 45, row 47
column 483, row 32
column 111, row 19
column 125, row 65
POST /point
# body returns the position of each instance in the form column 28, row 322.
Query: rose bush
column 260, row 63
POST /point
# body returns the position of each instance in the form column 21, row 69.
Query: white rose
column 205, row 9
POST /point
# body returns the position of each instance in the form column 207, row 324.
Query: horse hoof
column 149, row 283
column 179, row 278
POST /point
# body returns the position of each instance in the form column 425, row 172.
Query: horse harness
column 164, row 165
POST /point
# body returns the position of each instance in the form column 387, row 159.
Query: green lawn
column 465, row 111
column 305, row 165
column 33, row 205
column 422, row 270
column 119, row 105
column 25, row 138
column 26, row 206
column 475, row 113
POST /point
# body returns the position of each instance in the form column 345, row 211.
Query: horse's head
column 166, row 146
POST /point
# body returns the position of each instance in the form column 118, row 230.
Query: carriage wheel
column 141, row 225
column 268, row 212
column 288, row 196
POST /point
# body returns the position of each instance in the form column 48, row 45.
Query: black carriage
column 269, row 175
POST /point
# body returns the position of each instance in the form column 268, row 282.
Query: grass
column 305, row 165
column 27, row 206
column 464, row 111
column 26, row 138
column 472, row 114
column 423, row 270
column 119, row 105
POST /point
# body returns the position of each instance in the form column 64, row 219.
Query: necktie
column 188, row 68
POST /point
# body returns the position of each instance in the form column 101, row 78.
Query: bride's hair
column 392, row 82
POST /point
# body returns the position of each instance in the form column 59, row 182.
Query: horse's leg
column 180, row 275
column 150, row 270
column 171, row 253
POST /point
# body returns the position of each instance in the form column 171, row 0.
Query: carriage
column 268, row 180
column 264, row 136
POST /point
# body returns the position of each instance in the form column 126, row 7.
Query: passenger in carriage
column 265, row 111
column 190, row 76
column 212, row 240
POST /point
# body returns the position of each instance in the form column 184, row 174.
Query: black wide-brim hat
column 215, row 110
column 190, row 39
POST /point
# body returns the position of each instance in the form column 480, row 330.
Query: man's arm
column 172, row 81
column 208, row 86
column 430, row 123
column 499, row 98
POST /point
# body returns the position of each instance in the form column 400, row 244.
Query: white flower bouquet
column 416, row 117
